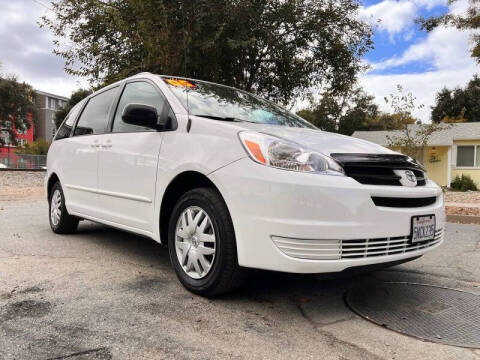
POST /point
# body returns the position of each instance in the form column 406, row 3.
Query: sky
column 422, row 63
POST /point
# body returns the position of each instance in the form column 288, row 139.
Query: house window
column 53, row 104
column 468, row 156
column 6, row 137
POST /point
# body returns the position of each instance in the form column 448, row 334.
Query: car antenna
column 189, row 121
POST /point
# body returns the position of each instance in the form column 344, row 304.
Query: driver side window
column 139, row 92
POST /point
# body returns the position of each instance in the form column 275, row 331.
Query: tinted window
column 66, row 127
column 94, row 117
column 137, row 93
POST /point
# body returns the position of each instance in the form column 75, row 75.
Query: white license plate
column 423, row 228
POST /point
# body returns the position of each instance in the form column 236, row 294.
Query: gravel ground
column 21, row 185
column 21, row 178
column 469, row 197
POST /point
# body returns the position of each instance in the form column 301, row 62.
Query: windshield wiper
column 223, row 118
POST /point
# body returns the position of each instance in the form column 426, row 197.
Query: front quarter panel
column 208, row 146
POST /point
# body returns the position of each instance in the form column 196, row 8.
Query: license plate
column 423, row 228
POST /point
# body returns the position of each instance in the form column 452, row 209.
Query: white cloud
column 27, row 49
column 444, row 48
column 394, row 16
column 423, row 86
column 391, row 16
column 446, row 54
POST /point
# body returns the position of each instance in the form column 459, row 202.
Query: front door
column 128, row 160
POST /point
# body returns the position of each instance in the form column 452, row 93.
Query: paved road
column 103, row 294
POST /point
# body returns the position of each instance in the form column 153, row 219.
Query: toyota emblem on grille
column 407, row 177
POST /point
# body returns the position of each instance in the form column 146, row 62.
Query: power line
column 42, row 4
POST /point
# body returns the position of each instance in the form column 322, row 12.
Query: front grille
column 351, row 249
column 378, row 169
column 398, row 202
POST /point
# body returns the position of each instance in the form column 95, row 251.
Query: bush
column 463, row 183
column 38, row 147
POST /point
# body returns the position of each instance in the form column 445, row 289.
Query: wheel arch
column 178, row 186
column 52, row 179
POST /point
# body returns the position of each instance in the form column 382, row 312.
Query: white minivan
column 230, row 181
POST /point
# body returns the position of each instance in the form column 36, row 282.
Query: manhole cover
column 427, row 312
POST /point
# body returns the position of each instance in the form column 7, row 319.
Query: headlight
column 283, row 154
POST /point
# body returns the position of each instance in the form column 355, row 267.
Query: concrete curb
column 463, row 219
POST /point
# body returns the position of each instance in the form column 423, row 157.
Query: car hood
column 321, row 141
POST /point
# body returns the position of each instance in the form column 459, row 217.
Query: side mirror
column 141, row 115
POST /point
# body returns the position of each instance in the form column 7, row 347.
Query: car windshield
column 225, row 103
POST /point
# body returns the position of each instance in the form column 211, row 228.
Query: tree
column 343, row 113
column 412, row 138
column 38, row 147
column 468, row 21
column 457, row 105
column 359, row 116
column 76, row 97
column 388, row 121
column 276, row 48
column 16, row 103
column 323, row 115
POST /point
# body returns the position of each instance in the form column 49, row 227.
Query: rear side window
column 67, row 125
column 94, row 117
column 138, row 92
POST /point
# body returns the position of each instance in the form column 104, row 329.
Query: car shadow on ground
column 309, row 291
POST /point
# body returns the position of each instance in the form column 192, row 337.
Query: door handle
column 106, row 146
column 95, row 145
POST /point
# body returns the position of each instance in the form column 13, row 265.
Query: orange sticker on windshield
column 180, row 83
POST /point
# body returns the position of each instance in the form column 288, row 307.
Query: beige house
column 449, row 152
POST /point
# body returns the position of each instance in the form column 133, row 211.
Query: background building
column 47, row 105
column 22, row 137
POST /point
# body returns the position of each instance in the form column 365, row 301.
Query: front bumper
column 317, row 211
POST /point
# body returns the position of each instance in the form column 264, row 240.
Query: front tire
column 61, row 222
column 202, row 244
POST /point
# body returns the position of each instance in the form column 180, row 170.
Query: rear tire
column 61, row 222
column 202, row 244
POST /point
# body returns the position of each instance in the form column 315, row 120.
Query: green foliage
column 324, row 114
column 342, row 113
column 463, row 183
column 388, row 121
column 16, row 102
column 458, row 104
column 38, row 147
column 76, row 97
column 276, row 48
column 359, row 115
column 355, row 111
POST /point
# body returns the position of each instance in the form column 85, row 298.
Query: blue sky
column 421, row 63
column 395, row 42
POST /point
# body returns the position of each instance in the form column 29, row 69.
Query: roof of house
column 444, row 137
column 51, row 95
